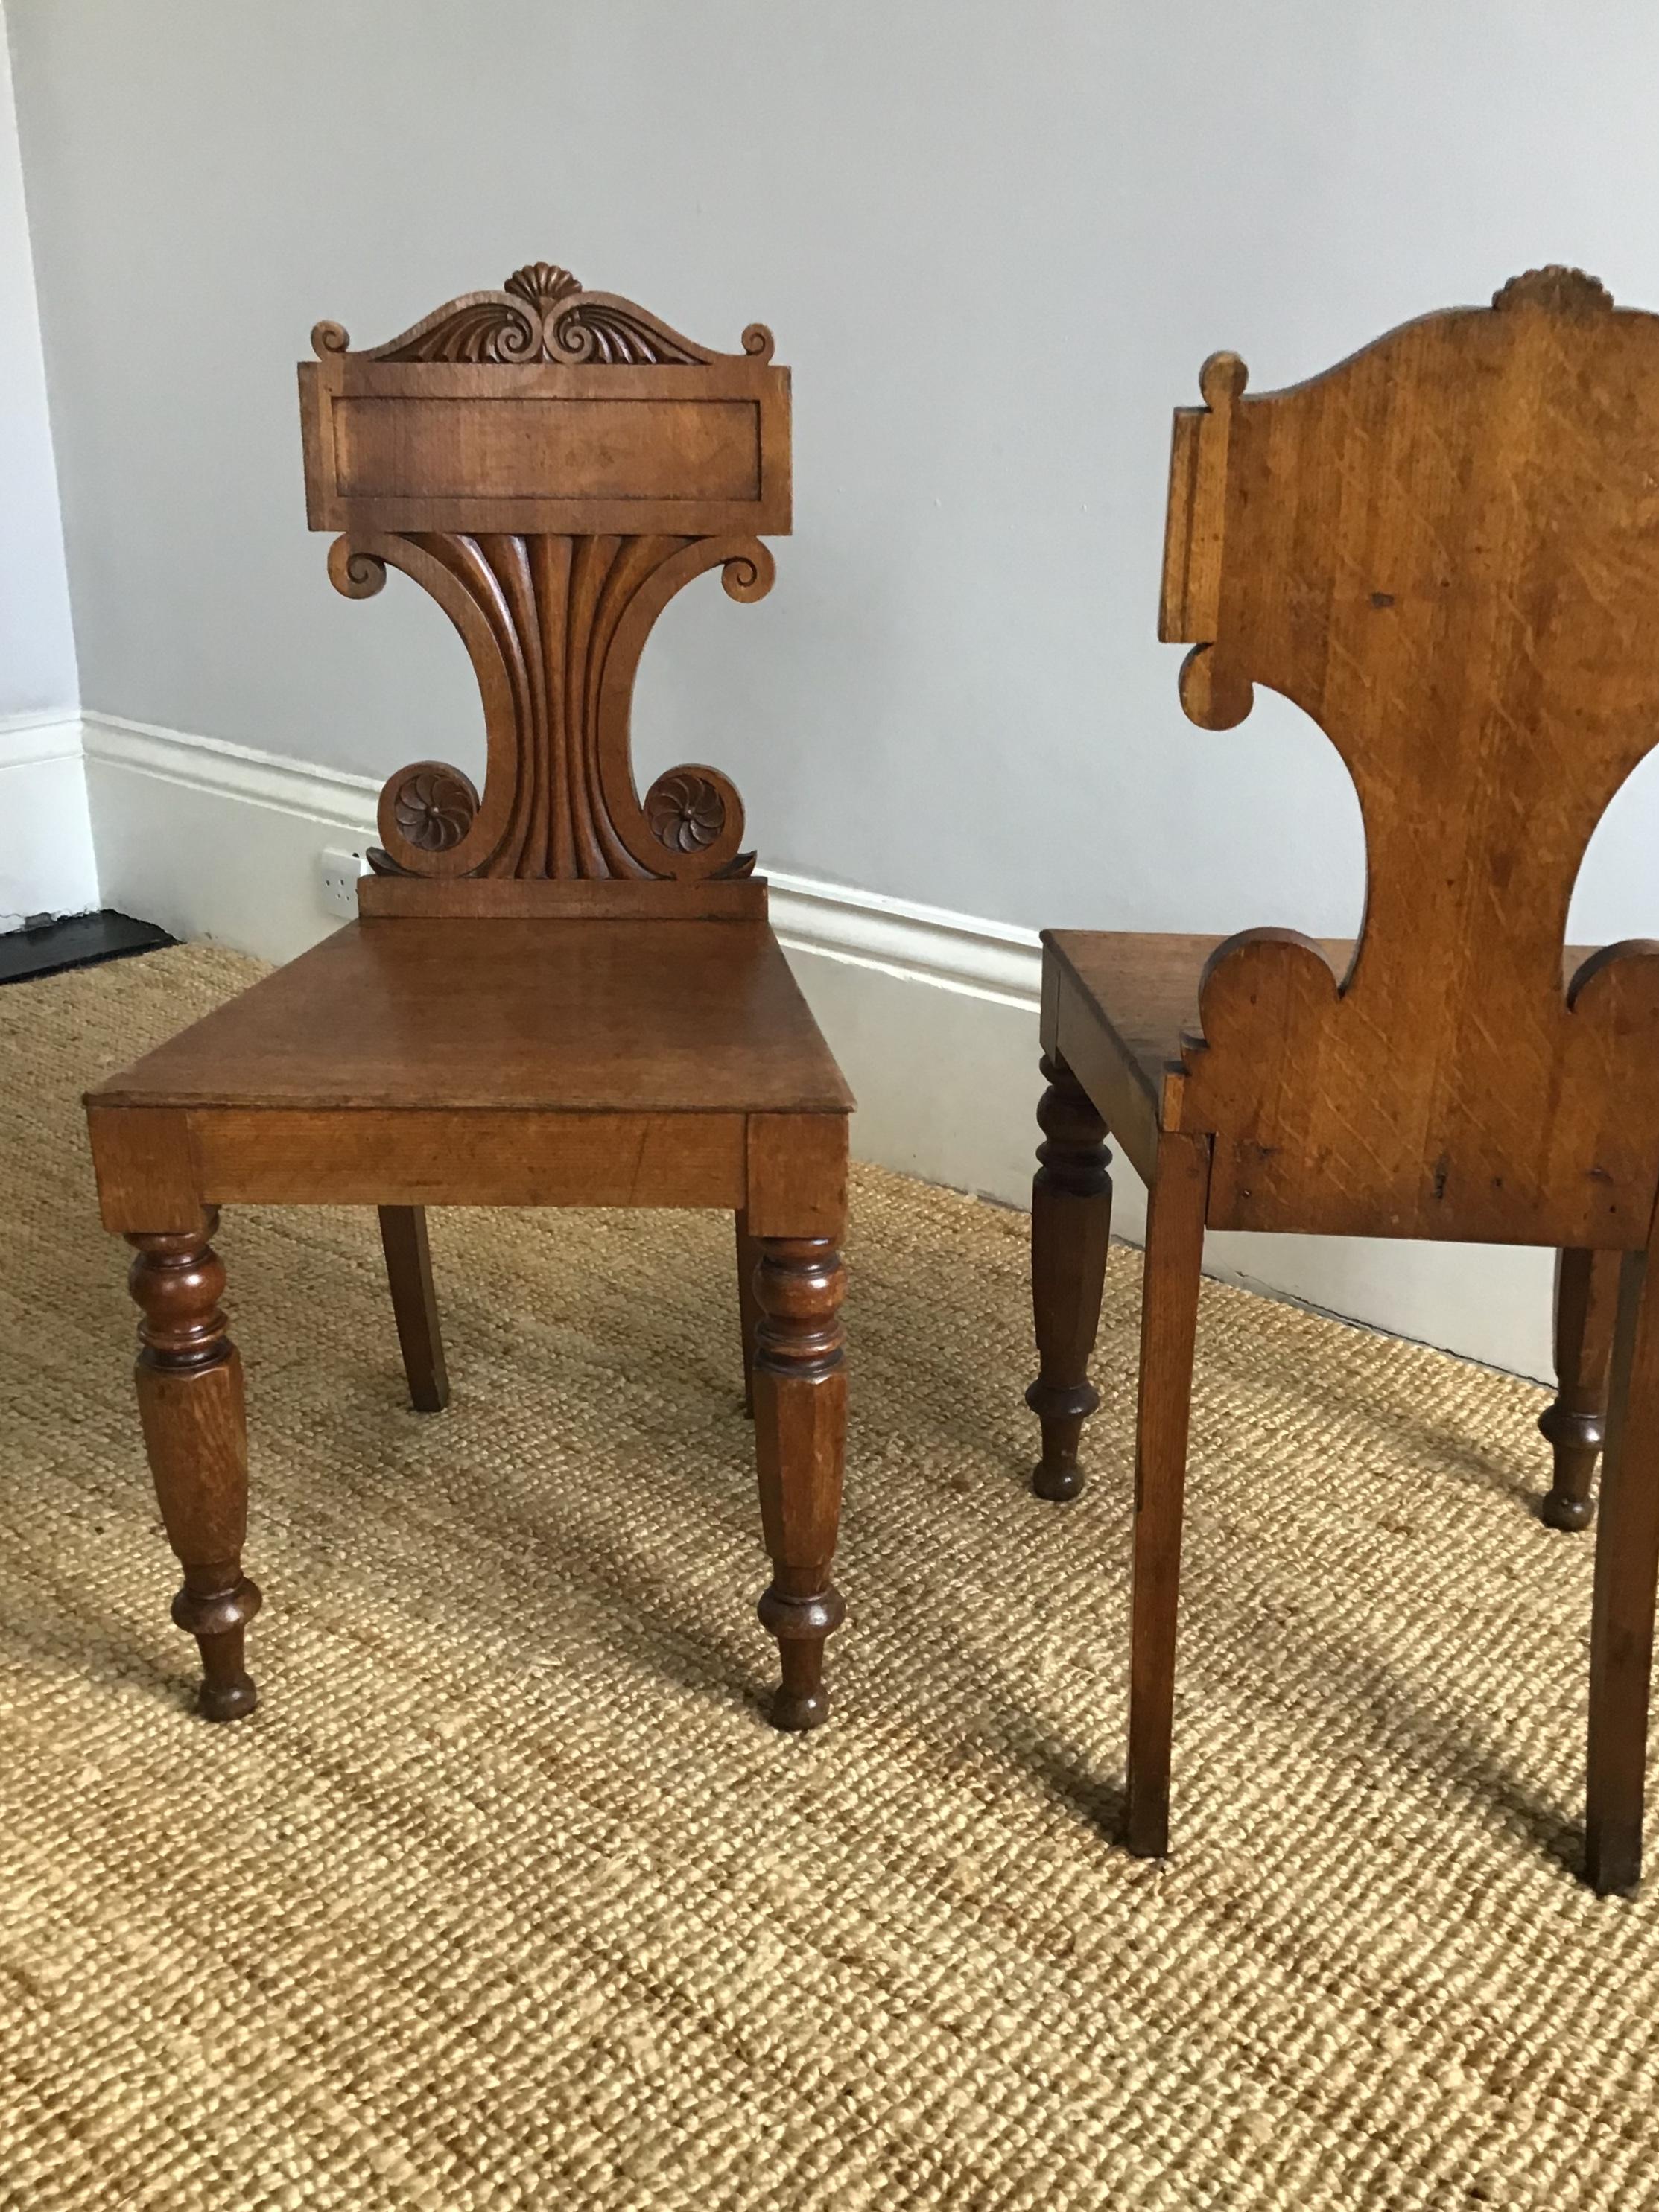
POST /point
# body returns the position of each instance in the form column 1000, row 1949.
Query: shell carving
column 541, row 285
column 686, row 812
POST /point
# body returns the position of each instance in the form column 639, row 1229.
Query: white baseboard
column 46, row 863
column 215, row 840
column 932, row 1014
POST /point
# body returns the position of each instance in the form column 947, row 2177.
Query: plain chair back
column 1446, row 552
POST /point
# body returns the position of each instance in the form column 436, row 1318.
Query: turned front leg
column 1586, row 1299
column 189, row 1401
column 801, row 1419
column 1071, row 1232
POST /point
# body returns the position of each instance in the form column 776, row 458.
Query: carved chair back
column 1446, row 552
column 552, row 466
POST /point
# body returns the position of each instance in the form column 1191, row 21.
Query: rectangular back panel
column 693, row 450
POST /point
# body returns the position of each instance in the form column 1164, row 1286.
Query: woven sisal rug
column 506, row 1897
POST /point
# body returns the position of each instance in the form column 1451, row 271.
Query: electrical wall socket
column 339, row 871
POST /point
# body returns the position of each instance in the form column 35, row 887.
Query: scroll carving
column 542, row 314
column 1441, row 550
column 555, row 627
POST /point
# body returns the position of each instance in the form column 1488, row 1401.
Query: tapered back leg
column 1626, row 1565
column 415, row 1305
column 1168, row 1323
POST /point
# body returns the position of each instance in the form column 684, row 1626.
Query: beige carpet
column 506, row 1897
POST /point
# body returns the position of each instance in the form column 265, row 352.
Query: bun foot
column 1560, row 1509
column 215, row 1605
column 1057, row 1483
column 800, row 1624
column 1063, row 1409
column 1574, row 1426
column 799, row 1710
column 227, row 1701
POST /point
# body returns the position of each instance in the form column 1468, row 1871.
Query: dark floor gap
column 51, row 944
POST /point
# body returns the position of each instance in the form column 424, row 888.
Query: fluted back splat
column 552, row 466
column 1446, row 550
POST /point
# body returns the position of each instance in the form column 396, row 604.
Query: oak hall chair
column 1446, row 552
column 556, row 993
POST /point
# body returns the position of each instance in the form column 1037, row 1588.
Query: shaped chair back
column 1446, row 552
column 552, row 466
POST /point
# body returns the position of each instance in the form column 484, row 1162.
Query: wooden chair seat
column 1128, row 1003
column 495, row 1062
column 637, row 1016
column 560, row 990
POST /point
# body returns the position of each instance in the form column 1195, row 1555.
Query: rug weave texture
column 506, row 1896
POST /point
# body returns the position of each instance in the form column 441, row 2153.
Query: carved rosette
column 685, row 810
column 432, row 806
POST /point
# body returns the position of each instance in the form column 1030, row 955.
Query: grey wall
column 37, row 644
column 995, row 242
